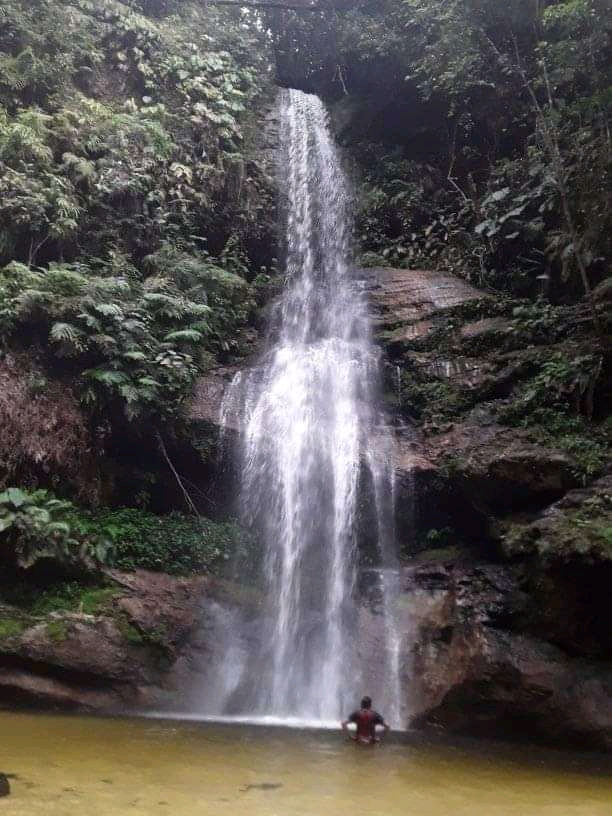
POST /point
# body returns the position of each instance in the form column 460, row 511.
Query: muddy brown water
column 64, row 766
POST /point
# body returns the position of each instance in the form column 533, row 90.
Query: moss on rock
column 577, row 526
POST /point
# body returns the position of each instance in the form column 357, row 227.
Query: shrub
column 588, row 443
column 35, row 525
column 174, row 543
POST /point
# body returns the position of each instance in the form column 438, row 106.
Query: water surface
column 99, row 767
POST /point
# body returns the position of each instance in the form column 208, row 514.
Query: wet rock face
column 404, row 299
column 208, row 396
column 482, row 663
column 500, row 468
column 454, row 360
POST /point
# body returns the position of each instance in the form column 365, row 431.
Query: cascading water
column 309, row 432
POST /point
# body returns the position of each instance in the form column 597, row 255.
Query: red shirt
column 366, row 721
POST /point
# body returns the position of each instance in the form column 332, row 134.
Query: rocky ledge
column 485, row 660
column 121, row 657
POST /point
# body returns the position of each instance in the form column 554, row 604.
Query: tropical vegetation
column 138, row 232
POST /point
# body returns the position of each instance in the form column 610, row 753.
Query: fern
column 183, row 335
column 105, row 342
column 91, row 322
column 165, row 305
column 109, row 309
column 106, row 377
column 149, row 382
column 129, row 393
column 69, row 335
column 138, row 356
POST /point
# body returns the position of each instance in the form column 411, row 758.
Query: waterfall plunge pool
column 65, row 765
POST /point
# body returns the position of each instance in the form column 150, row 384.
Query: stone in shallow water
column 261, row 786
column 5, row 787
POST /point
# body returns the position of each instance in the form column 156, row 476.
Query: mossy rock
column 11, row 627
column 442, row 554
column 577, row 526
column 58, row 630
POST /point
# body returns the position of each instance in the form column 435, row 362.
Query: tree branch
column 186, row 495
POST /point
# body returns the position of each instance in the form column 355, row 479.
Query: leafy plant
column 562, row 382
column 34, row 526
column 11, row 627
column 130, row 340
column 173, row 543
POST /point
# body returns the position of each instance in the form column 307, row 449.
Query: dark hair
column 366, row 702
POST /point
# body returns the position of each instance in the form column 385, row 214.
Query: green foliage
column 563, row 382
column 481, row 130
column 130, row 632
column 11, row 627
column 34, row 526
column 130, row 340
column 174, row 543
column 541, row 322
column 135, row 135
column 126, row 148
column 396, row 208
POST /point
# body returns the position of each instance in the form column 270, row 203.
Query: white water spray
column 310, row 430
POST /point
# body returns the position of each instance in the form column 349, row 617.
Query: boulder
column 500, row 468
column 112, row 660
column 5, row 787
column 475, row 669
column 80, row 645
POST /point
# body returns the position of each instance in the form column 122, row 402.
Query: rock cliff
column 508, row 554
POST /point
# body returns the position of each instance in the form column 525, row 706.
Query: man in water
column 366, row 721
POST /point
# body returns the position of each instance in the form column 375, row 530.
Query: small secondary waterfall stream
column 311, row 438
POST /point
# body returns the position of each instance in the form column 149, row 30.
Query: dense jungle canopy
column 138, row 241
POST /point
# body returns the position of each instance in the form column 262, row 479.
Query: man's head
column 366, row 702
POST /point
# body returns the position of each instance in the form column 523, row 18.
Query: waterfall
column 310, row 430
